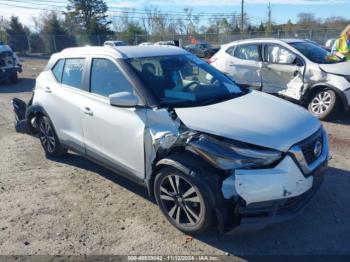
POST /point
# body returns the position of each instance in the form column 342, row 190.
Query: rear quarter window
column 57, row 70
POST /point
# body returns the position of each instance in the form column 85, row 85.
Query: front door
column 113, row 135
column 282, row 72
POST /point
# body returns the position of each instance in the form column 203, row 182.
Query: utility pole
column 242, row 16
column 269, row 23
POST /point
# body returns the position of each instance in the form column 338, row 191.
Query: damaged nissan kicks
column 210, row 152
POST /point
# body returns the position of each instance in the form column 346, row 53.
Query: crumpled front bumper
column 268, row 196
column 259, row 215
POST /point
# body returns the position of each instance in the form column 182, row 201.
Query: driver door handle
column 87, row 111
column 47, row 89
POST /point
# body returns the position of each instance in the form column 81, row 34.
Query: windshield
column 316, row 53
column 184, row 80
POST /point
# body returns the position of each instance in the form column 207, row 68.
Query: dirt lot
column 72, row 206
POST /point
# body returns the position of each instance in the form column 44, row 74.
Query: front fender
column 210, row 179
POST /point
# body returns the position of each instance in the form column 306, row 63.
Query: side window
column 106, row 78
column 230, row 50
column 247, row 52
column 278, row 55
column 57, row 70
column 72, row 73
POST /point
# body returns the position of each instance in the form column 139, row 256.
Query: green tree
column 37, row 44
column 55, row 34
column 261, row 27
column 133, row 29
column 88, row 16
column 17, row 34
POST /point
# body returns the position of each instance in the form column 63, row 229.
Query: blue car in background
column 9, row 64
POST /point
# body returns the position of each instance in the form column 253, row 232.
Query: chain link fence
column 318, row 35
column 47, row 44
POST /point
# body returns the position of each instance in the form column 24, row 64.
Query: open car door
column 282, row 72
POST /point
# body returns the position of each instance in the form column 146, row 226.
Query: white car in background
column 114, row 43
column 207, row 149
column 295, row 69
column 166, row 43
column 146, row 43
column 330, row 43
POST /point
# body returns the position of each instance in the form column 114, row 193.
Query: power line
column 48, row 3
column 120, row 16
column 47, row 7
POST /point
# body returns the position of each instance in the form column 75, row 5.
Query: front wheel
column 49, row 139
column 323, row 104
column 183, row 201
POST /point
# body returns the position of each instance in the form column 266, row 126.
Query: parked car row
column 211, row 152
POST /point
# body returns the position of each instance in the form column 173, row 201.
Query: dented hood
column 338, row 69
column 256, row 118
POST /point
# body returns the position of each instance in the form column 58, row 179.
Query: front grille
column 308, row 147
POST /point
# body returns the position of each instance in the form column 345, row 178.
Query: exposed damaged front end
column 251, row 186
column 9, row 65
column 267, row 196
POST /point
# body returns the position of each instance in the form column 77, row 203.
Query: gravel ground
column 72, row 206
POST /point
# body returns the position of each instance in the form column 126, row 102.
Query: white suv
column 207, row 149
column 295, row 69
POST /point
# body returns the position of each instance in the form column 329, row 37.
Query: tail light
column 212, row 60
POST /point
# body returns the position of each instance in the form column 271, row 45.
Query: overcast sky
column 282, row 10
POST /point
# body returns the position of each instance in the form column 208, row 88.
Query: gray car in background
column 295, row 69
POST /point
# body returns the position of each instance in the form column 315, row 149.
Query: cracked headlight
column 228, row 155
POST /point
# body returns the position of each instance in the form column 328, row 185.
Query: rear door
column 282, row 71
column 62, row 88
column 243, row 64
column 113, row 135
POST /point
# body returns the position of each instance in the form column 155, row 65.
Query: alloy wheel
column 47, row 136
column 181, row 201
column 321, row 102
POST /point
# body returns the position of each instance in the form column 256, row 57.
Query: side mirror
column 123, row 99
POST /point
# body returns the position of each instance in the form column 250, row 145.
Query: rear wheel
column 183, row 201
column 323, row 104
column 49, row 139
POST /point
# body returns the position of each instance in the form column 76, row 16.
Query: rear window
column 73, row 71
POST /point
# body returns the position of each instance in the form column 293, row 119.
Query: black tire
column 324, row 104
column 49, row 139
column 14, row 78
column 183, row 208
